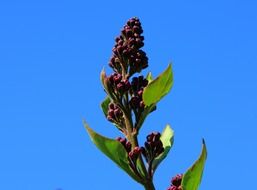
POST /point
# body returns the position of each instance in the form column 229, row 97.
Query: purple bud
column 120, row 42
column 134, row 102
column 121, row 87
column 117, row 39
column 176, row 181
column 145, row 83
column 149, row 137
column 140, row 93
column 135, row 153
column 117, row 78
column 127, row 85
column 123, row 141
column 129, row 33
column 118, row 113
column 111, row 113
column 157, row 136
column 111, row 106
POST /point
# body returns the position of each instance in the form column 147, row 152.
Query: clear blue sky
column 51, row 54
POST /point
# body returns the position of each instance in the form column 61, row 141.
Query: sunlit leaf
column 192, row 178
column 158, row 88
column 149, row 77
column 112, row 149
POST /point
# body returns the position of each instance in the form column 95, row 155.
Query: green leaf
column 149, row 77
column 158, row 88
column 105, row 104
column 114, row 150
column 192, row 178
column 167, row 139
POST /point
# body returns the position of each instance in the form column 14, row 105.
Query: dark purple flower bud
column 140, row 93
column 111, row 106
column 117, row 78
column 137, row 29
column 134, row 102
column 144, row 83
column 129, row 33
column 115, row 51
column 111, row 113
column 117, row 39
column 120, row 49
column 123, row 31
column 127, row 85
column 176, row 181
column 120, row 42
column 118, row 139
column 118, row 113
column 125, row 143
column 133, row 155
column 156, row 136
column 135, row 81
column 120, row 87
column 131, row 22
column 149, row 137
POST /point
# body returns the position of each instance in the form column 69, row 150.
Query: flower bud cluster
column 126, row 52
column 133, row 154
column 115, row 114
column 119, row 85
column 125, row 143
column 176, row 182
column 136, row 91
column 153, row 146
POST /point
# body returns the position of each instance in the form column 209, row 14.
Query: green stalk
column 149, row 185
column 132, row 137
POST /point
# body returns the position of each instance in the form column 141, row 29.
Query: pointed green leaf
column 112, row 149
column 158, row 88
column 149, row 77
column 192, row 178
column 105, row 104
column 167, row 139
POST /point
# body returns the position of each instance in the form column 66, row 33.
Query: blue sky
column 51, row 55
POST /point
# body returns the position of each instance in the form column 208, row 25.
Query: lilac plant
column 131, row 97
